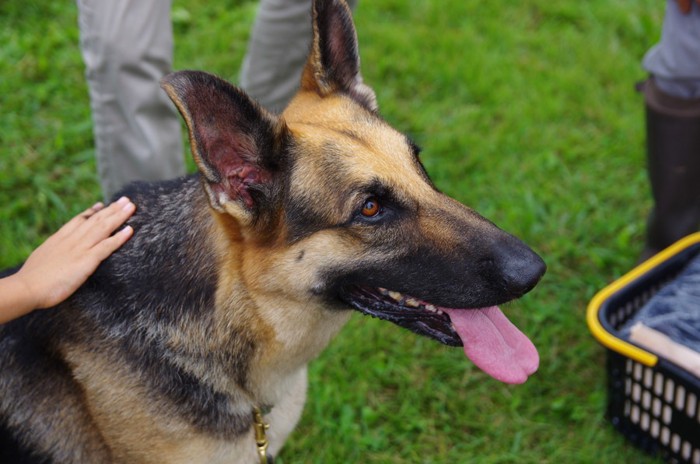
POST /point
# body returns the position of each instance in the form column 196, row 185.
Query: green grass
column 525, row 111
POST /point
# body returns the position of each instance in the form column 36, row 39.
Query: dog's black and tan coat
column 240, row 275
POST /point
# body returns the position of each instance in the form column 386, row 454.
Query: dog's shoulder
column 168, row 261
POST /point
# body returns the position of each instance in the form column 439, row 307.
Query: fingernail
column 129, row 206
column 122, row 201
column 128, row 230
column 97, row 205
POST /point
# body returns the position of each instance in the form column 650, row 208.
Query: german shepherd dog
column 238, row 276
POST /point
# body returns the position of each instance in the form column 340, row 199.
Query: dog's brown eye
column 371, row 207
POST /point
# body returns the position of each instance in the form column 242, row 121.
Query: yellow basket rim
column 607, row 339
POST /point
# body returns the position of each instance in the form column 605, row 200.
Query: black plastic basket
column 651, row 401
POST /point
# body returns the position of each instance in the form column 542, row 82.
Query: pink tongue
column 494, row 344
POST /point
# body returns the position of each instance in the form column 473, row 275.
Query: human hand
column 686, row 5
column 67, row 258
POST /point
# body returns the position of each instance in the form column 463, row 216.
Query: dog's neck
column 286, row 334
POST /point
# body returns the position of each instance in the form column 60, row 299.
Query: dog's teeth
column 412, row 303
column 431, row 308
column 383, row 291
column 395, row 296
column 439, row 311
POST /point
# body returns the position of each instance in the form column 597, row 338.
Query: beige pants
column 127, row 46
column 675, row 60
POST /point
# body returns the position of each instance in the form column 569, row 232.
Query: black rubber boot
column 673, row 149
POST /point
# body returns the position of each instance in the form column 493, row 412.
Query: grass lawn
column 524, row 110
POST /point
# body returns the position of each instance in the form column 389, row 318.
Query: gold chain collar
column 261, row 436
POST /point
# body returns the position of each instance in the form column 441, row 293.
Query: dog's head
column 341, row 213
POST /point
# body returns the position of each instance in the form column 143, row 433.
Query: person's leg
column 127, row 46
column 277, row 51
column 672, row 98
column 673, row 151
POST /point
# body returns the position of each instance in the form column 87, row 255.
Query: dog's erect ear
column 235, row 142
column 334, row 61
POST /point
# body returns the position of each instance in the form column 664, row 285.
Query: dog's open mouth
column 490, row 340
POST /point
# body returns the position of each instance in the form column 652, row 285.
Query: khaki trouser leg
column 127, row 46
column 277, row 51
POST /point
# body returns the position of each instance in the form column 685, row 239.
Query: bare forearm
column 15, row 298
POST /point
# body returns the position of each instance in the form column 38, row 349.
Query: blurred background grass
column 524, row 110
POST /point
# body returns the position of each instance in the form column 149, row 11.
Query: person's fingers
column 94, row 208
column 70, row 226
column 109, row 245
column 104, row 222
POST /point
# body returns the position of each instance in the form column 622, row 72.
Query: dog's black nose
column 518, row 267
